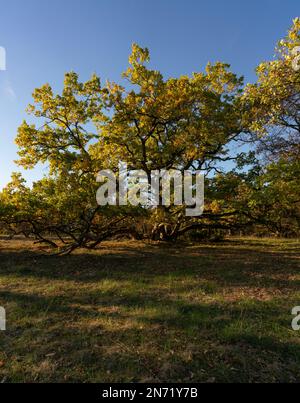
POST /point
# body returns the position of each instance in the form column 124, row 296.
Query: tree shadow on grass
column 154, row 338
column 110, row 316
column 237, row 267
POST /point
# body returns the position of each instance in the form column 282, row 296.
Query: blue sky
column 45, row 39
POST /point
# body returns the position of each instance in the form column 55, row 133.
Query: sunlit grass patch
column 135, row 312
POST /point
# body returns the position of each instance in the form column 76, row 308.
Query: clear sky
column 45, row 39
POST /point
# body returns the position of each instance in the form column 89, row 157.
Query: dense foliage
column 244, row 138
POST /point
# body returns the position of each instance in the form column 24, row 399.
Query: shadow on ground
column 131, row 312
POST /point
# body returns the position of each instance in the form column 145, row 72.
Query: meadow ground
column 136, row 312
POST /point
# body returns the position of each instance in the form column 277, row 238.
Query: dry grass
column 140, row 312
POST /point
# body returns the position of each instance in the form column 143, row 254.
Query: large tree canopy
column 274, row 101
column 196, row 122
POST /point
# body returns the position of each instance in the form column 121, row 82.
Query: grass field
column 135, row 312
